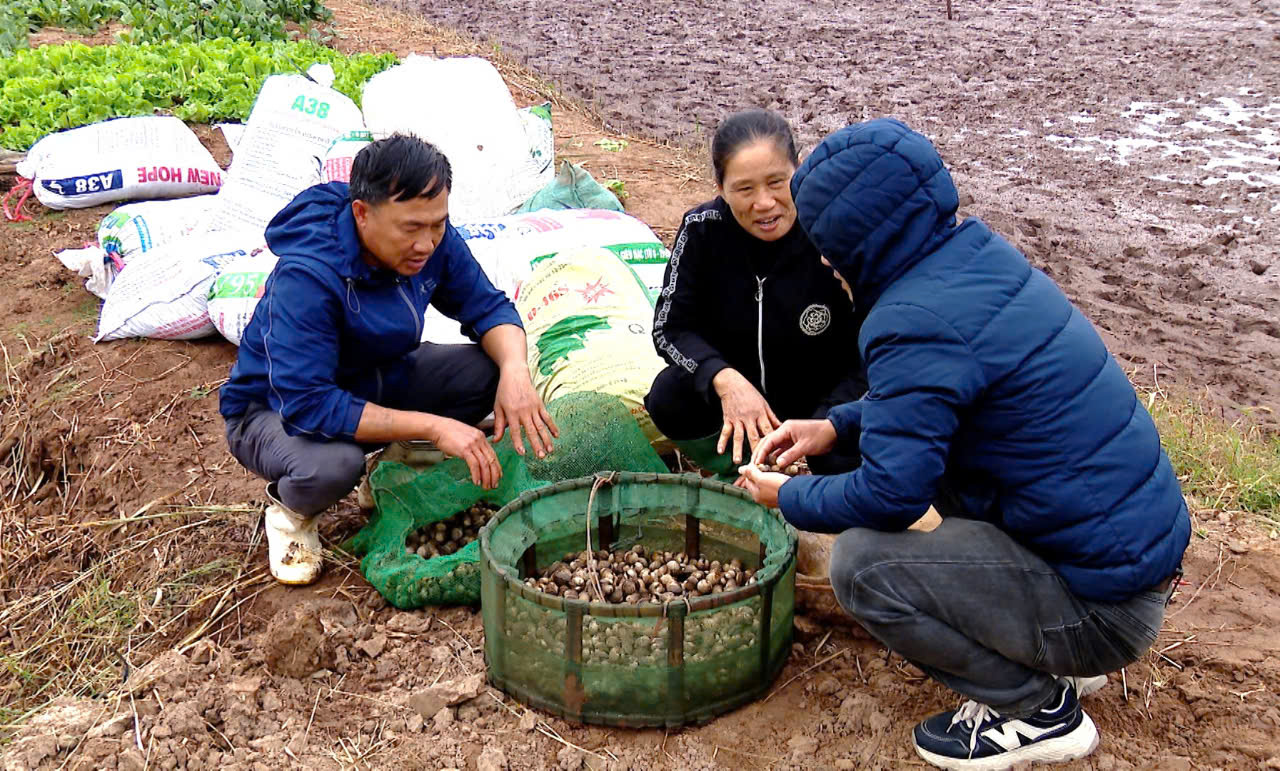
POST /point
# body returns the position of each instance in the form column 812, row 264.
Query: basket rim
column 682, row 606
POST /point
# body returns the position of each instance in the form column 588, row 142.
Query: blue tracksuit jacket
column 331, row 333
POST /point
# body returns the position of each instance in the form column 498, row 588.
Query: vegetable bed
column 65, row 86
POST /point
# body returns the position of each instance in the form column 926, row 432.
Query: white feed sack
column 293, row 123
column 140, row 227
column 509, row 248
column 164, row 293
column 91, row 264
column 231, row 133
column 236, row 291
column 541, row 163
column 536, row 123
column 481, row 132
column 117, row 160
column 131, row 230
column 335, row 166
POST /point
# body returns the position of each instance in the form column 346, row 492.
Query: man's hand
column 763, row 485
column 795, row 439
column 747, row 416
column 467, row 442
column 518, row 406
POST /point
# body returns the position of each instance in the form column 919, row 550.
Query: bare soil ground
column 130, row 541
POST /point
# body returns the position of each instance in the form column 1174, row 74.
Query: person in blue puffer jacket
column 332, row 365
column 994, row 399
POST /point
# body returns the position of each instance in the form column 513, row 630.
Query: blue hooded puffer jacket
column 332, row 332
column 983, row 376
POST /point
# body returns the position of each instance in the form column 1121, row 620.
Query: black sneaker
column 976, row 738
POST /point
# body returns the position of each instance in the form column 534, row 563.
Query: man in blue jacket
column 332, row 364
column 994, row 399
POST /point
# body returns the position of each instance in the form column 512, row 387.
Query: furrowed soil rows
column 1130, row 148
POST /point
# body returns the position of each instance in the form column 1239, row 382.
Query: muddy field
column 1130, row 148
column 131, row 554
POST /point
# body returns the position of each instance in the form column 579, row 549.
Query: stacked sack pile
column 188, row 259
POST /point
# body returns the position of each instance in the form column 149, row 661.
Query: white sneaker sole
column 1073, row 746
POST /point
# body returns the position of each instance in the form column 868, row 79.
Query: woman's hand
column 747, row 416
column 794, row 440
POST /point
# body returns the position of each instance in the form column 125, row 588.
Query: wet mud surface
column 1130, row 148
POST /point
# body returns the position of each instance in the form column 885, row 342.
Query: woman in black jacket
column 755, row 329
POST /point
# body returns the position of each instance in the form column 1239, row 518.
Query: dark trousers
column 983, row 615
column 680, row 412
column 455, row 381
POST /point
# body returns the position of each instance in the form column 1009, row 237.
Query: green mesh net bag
column 648, row 664
column 597, row 433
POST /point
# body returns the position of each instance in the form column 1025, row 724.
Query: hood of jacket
column 318, row 226
column 875, row 199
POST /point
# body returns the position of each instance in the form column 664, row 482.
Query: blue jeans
column 984, row 616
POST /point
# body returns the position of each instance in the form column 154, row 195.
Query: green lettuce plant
column 64, row 86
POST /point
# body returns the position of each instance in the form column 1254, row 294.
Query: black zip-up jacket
column 770, row 310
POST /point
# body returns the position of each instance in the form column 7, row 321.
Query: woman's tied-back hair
column 399, row 167
column 747, row 127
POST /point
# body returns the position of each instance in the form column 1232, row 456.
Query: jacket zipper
column 760, row 329
column 418, row 322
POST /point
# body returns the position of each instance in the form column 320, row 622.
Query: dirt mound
column 294, row 644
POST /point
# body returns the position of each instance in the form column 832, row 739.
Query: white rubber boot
column 416, row 454
column 293, row 544
column 1087, row 686
column 364, row 493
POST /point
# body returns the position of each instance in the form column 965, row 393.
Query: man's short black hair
column 399, row 167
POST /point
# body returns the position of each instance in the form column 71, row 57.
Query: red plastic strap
column 17, row 215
